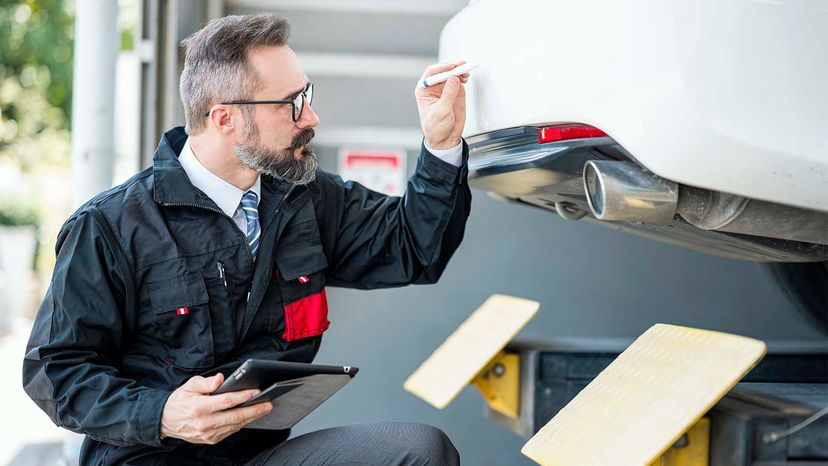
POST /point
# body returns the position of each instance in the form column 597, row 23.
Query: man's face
column 272, row 142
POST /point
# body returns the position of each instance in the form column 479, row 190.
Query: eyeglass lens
column 299, row 101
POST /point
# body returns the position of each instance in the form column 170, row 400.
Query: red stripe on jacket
column 306, row 317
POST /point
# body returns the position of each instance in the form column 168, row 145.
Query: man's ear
column 223, row 119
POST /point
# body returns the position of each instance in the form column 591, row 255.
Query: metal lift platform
column 774, row 417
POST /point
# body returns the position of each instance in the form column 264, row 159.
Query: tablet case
column 296, row 389
column 291, row 407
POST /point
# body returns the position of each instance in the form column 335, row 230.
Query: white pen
column 440, row 77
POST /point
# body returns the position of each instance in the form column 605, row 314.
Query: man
column 221, row 252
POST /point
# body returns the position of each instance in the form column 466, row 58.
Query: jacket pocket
column 182, row 316
column 300, row 271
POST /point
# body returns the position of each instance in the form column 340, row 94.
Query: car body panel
column 727, row 95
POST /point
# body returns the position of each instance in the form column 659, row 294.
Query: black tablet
column 296, row 388
column 262, row 374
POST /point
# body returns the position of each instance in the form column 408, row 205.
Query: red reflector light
column 567, row 132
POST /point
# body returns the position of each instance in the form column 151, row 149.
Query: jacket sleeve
column 71, row 364
column 379, row 241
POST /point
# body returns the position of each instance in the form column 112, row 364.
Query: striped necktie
column 250, row 203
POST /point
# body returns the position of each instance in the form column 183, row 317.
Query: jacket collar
column 171, row 184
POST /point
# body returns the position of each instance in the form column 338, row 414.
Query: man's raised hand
column 442, row 107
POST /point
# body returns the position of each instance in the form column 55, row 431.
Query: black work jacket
column 155, row 284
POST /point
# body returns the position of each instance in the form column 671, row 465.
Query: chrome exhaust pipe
column 623, row 191
column 711, row 210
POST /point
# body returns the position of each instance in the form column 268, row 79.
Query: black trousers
column 380, row 444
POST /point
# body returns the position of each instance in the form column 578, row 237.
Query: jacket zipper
column 278, row 208
column 222, row 276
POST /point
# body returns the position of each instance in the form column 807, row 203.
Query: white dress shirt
column 453, row 156
column 226, row 196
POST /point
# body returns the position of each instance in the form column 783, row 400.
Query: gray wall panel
column 354, row 32
column 341, row 101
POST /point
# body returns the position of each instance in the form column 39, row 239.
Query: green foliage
column 37, row 48
column 127, row 39
column 36, row 52
column 35, row 82
column 18, row 213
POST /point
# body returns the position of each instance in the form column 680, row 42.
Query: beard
column 282, row 164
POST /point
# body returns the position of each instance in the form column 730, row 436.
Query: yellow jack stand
column 692, row 449
column 499, row 383
column 473, row 352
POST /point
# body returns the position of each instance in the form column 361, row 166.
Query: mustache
column 303, row 138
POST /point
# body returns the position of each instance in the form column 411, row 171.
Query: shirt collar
column 226, row 196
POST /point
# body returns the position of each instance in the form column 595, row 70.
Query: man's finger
column 203, row 385
column 224, row 431
column 434, row 90
column 242, row 416
column 437, row 68
column 449, row 93
column 197, row 384
column 228, row 400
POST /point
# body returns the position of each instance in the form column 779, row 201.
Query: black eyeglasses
column 298, row 102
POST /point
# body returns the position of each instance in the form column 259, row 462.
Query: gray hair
column 216, row 67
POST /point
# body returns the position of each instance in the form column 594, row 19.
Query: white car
column 702, row 123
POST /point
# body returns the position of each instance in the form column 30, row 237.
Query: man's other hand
column 442, row 107
column 193, row 415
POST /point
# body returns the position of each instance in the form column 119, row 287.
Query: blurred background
column 62, row 141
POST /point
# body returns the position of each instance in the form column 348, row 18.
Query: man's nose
column 309, row 118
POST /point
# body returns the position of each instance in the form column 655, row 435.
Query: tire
column 805, row 284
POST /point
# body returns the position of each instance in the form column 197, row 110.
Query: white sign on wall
column 383, row 171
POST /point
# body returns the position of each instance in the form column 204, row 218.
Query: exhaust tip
column 624, row 191
column 594, row 187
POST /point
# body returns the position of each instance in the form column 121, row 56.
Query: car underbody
column 595, row 179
